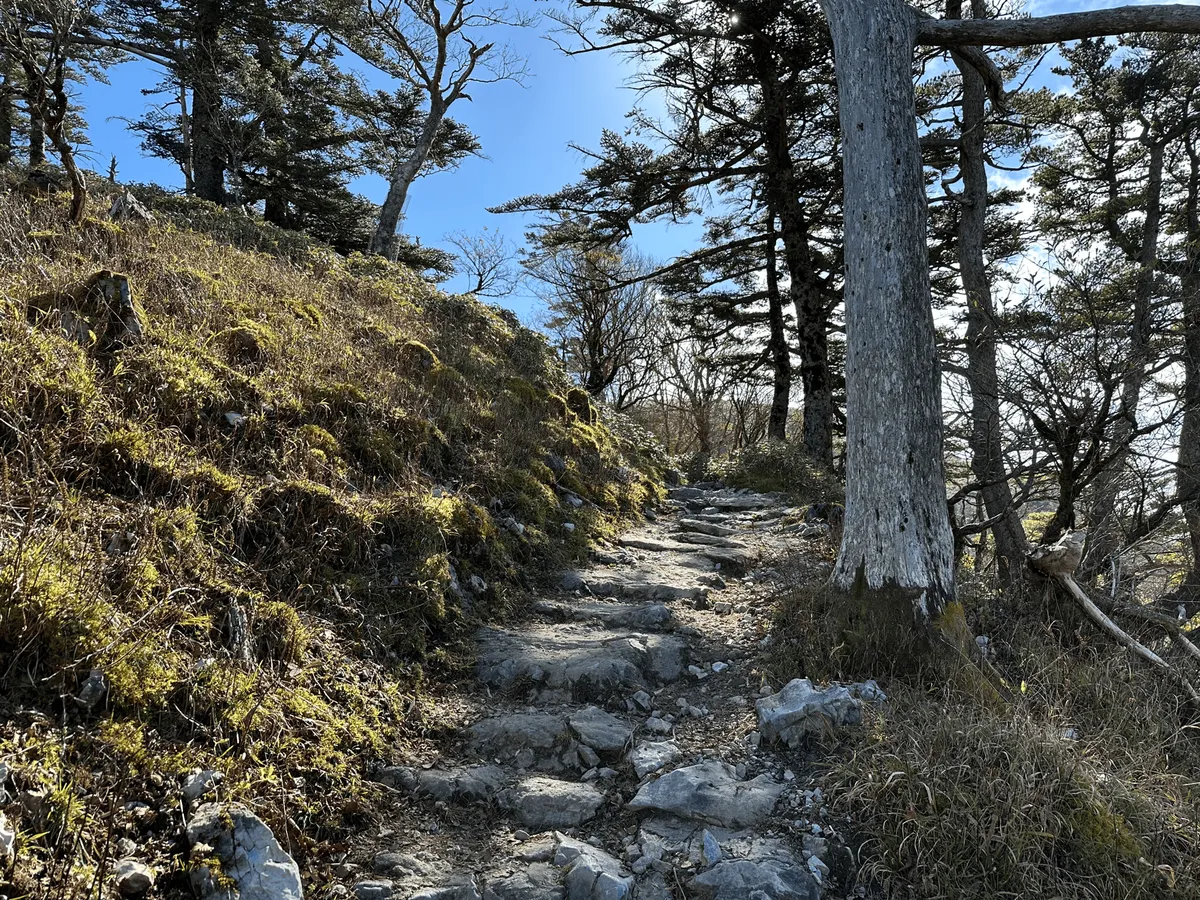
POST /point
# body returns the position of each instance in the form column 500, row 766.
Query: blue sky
column 525, row 132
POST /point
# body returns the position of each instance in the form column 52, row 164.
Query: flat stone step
column 741, row 501
column 708, row 540
column 711, row 792
column 653, row 546
column 541, row 803
column 648, row 616
column 640, row 585
column 701, row 527
column 573, row 661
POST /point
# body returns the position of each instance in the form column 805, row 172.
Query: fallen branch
column 1168, row 624
column 1123, row 638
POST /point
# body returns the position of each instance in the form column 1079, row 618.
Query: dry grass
column 265, row 597
column 1084, row 787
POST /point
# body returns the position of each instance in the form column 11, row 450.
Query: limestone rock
column 539, row 882
column 698, row 526
column 374, row 890
column 601, row 731
column 711, row 792
column 460, row 889
column 248, row 854
column 800, row 711
column 651, row 756
column 1061, row 558
column 503, row 736
column 591, row 873
column 469, row 784
column 541, row 803
column 767, row 879
column 133, row 878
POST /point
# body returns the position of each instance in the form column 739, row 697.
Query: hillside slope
column 242, row 538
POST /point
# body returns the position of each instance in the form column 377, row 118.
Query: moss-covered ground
column 258, row 524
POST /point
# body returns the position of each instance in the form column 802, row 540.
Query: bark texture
column 1176, row 18
column 897, row 526
column 812, row 317
column 987, row 456
column 1106, row 535
column 383, row 240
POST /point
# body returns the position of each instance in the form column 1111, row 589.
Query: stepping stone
column 634, row 585
column 651, row 616
column 541, row 881
column 463, row 888
column 651, row 546
column 709, row 540
column 574, row 659
column 507, row 735
column 711, row 792
column 685, row 493
column 591, row 873
column 541, row 803
column 772, row 878
column 699, row 527
column 469, row 784
column 741, row 501
column 734, row 562
column 651, row 756
column 601, row 731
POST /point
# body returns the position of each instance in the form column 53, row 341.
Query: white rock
column 199, row 783
column 249, row 854
column 8, row 840
column 133, row 878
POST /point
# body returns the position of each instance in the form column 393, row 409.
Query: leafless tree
column 488, row 259
column 438, row 48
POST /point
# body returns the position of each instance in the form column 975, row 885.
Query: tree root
column 1130, row 643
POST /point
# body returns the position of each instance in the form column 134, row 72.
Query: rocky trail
column 621, row 743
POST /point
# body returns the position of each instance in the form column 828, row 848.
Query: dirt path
column 610, row 747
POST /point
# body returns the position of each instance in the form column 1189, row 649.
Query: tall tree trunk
column 208, row 156
column 37, row 138
column 1187, row 483
column 987, row 457
column 781, row 358
column 897, row 542
column 812, row 317
column 383, row 240
column 1105, row 533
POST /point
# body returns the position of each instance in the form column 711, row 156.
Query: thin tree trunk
column 37, row 138
column 812, row 318
column 987, row 457
column 383, row 241
column 1105, row 532
column 1187, row 484
column 897, row 542
column 6, row 113
column 781, row 360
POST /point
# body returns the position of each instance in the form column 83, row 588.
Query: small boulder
column 133, row 878
column 248, row 854
column 800, row 711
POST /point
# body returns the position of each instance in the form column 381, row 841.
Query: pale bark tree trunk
column 1105, row 533
column 897, row 536
column 383, row 240
column 987, row 456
